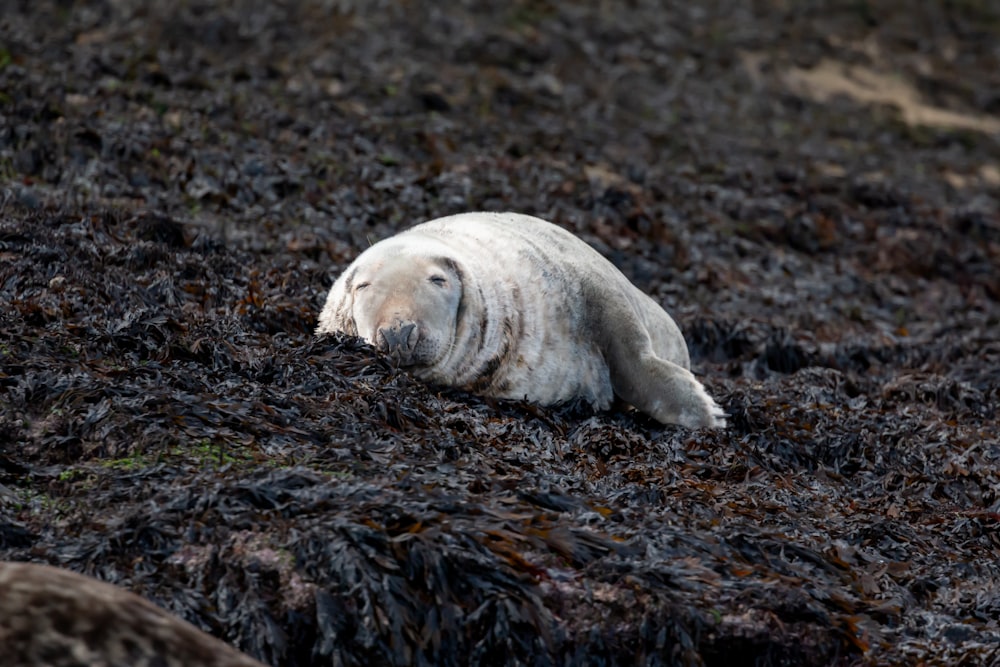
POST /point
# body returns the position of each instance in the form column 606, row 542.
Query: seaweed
column 181, row 185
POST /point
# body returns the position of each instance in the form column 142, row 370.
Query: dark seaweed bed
column 181, row 184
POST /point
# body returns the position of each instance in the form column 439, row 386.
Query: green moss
column 80, row 478
column 69, row 474
column 128, row 463
column 207, row 452
column 36, row 502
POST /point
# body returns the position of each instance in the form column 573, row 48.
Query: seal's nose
column 398, row 338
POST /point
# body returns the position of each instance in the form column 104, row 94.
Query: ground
column 810, row 188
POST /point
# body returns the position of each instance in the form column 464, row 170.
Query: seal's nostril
column 397, row 337
column 407, row 337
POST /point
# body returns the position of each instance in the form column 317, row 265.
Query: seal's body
column 51, row 617
column 511, row 306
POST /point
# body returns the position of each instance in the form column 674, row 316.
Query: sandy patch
column 868, row 86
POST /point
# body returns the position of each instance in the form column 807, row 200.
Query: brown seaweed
column 181, row 184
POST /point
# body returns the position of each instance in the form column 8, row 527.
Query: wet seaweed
column 181, row 185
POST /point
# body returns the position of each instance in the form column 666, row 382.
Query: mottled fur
column 512, row 306
column 55, row 618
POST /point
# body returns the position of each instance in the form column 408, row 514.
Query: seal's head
column 406, row 304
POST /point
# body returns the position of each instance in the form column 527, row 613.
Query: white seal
column 511, row 306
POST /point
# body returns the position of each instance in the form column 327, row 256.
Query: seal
column 51, row 617
column 511, row 306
